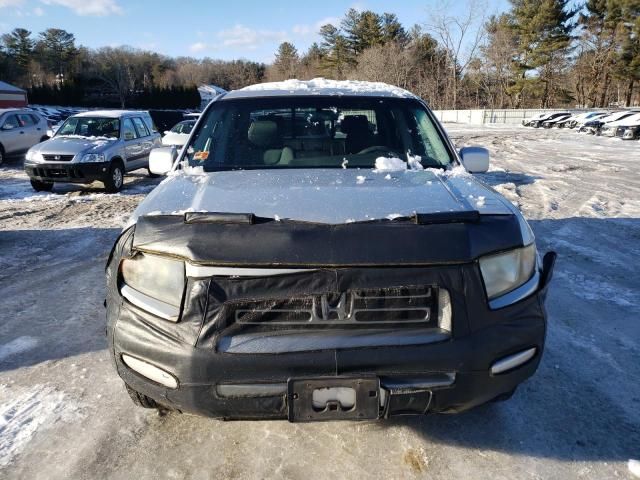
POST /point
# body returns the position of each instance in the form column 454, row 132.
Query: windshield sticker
column 201, row 156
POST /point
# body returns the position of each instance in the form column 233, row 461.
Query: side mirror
column 161, row 160
column 475, row 159
column 7, row 126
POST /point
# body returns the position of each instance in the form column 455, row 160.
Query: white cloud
column 308, row 30
column 96, row 8
column 198, row 47
column 38, row 12
column 10, row 3
column 241, row 36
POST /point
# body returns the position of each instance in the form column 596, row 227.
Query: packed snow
column 322, row 86
column 390, row 164
column 64, row 413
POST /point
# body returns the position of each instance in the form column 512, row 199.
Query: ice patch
column 390, row 164
column 16, row 346
column 23, row 413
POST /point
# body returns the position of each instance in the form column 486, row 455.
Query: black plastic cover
column 287, row 243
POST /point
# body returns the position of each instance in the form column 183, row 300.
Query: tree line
column 539, row 53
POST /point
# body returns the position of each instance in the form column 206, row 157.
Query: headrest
column 263, row 133
column 354, row 124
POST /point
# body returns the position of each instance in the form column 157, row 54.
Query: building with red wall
column 11, row 96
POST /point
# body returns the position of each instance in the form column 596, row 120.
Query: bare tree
column 460, row 36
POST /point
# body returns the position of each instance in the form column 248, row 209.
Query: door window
column 141, row 127
column 26, row 120
column 10, row 123
column 129, row 131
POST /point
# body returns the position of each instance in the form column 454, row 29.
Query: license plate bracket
column 300, row 399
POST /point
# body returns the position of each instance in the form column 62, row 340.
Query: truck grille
column 380, row 306
column 57, row 158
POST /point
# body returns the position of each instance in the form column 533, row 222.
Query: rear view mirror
column 475, row 159
column 161, row 160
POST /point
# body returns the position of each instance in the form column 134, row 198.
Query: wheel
column 41, row 186
column 115, row 178
column 151, row 174
column 139, row 399
column 1, row 155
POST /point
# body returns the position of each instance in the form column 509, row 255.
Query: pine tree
column 287, row 60
column 544, row 31
column 19, row 45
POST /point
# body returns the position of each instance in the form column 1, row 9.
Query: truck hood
column 72, row 145
column 328, row 196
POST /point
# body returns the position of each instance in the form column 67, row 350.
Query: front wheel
column 139, row 399
column 41, row 186
column 115, row 178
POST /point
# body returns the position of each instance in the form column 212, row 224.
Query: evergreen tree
column 19, row 45
column 543, row 28
column 287, row 60
column 57, row 50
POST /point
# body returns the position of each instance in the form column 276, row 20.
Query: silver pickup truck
column 321, row 251
column 90, row 146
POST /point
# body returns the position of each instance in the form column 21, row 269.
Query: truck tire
column 41, row 186
column 139, row 399
column 115, row 178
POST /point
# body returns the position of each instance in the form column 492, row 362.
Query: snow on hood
column 322, row 86
column 74, row 144
column 330, row 196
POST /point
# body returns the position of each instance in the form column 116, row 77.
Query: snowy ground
column 64, row 412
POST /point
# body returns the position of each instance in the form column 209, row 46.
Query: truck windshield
column 315, row 132
column 90, row 127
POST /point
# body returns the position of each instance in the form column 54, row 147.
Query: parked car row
column 623, row 124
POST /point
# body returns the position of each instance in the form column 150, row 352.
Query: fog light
column 512, row 361
column 150, row 371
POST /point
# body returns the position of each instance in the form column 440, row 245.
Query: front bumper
column 426, row 374
column 67, row 172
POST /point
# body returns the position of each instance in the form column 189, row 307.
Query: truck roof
column 320, row 86
column 111, row 113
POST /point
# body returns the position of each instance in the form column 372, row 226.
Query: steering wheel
column 377, row 148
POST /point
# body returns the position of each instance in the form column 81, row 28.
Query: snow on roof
column 7, row 110
column 109, row 113
column 5, row 87
column 321, row 86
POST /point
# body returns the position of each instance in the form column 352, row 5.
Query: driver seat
column 359, row 137
column 264, row 135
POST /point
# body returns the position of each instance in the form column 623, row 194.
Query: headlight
column 92, row 158
column 157, row 277
column 34, row 156
column 507, row 271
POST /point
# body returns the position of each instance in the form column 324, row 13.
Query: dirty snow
column 634, row 467
column 25, row 411
column 66, row 414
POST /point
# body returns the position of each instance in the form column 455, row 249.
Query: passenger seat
column 264, row 135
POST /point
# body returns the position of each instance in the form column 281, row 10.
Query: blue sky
column 226, row 30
